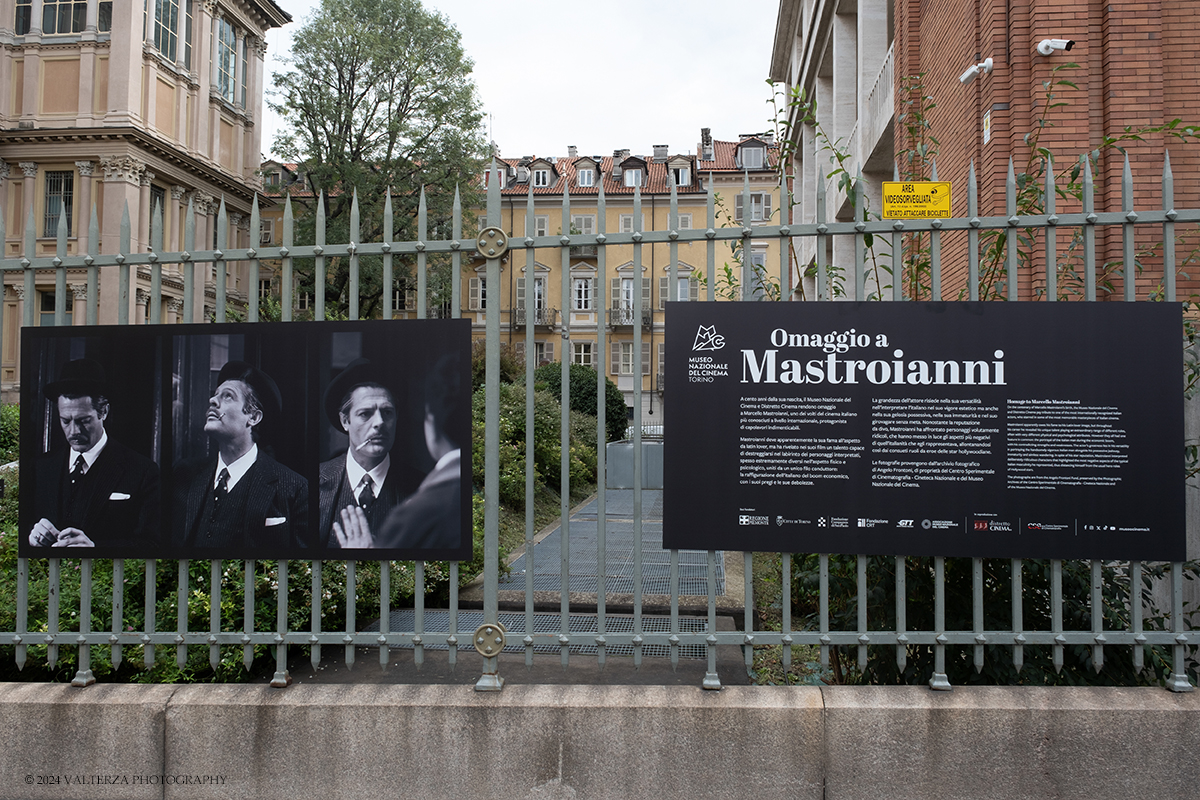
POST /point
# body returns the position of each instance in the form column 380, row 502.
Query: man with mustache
column 242, row 502
column 358, row 403
column 101, row 493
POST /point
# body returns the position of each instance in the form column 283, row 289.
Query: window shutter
column 614, row 348
column 520, row 292
column 693, row 290
column 520, row 350
column 616, row 292
column 766, row 206
column 737, row 208
column 662, row 357
column 549, row 351
column 410, row 299
column 664, row 292
column 646, row 293
column 472, row 295
column 645, row 358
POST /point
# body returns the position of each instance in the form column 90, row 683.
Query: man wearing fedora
column 359, row 404
column 100, row 493
column 241, row 501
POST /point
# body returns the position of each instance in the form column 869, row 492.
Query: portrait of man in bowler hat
column 359, row 403
column 241, row 500
column 99, row 493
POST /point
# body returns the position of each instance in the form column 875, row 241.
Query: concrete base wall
column 595, row 742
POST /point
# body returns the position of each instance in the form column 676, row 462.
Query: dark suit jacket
column 402, row 480
column 431, row 518
column 121, row 498
column 277, row 495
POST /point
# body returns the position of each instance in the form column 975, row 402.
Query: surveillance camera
column 984, row 66
column 1048, row 46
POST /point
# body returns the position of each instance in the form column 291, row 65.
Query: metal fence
column 671, row 634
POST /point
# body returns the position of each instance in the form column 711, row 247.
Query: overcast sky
column 602, row 76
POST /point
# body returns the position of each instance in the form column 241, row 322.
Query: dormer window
column 541, row 177
column 682, row 176
column 752, row 157
column 633, row 177
column 487, row 177
column 585, row 177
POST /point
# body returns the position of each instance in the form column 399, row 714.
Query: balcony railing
column 623, row 315
column 541, row 316
column 583, row 250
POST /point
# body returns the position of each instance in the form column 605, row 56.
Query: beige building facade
column 116, row 105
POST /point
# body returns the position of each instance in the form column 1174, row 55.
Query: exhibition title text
column 839, row 364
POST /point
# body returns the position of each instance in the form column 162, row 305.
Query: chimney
column 706, row 144
column 660, row 152
column 769, row 137
column 572, row 151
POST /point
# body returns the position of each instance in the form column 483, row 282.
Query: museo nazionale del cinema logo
column 703, row 369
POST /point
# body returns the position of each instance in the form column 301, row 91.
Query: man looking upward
column 242, row 500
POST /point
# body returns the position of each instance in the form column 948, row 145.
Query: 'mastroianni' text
column 768, row 368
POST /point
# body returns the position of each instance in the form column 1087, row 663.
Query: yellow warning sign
column 919, row 200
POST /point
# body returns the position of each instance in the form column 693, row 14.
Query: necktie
column 221, row 491
column 367, row 495
column 77, row 470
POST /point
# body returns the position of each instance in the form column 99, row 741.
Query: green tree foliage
column 582, row 398
column 378, row 97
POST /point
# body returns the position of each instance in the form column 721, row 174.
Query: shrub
column 583, row 395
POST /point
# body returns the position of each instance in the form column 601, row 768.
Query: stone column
column 78, row 303
column 142, row 234
column 29, row 169
column 174, row 310
column 178, row 194
column 4, row 170
column 238, row 270
column 122, row 179
column 143, row 298
column 83, row 202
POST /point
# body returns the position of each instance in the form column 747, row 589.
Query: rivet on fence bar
column 287, row 281
column 1135, row 614
column 148, row 653
column 214, row 611
column 823, row 606
column 1168, row 234
column 255, row 226
column 935, row 249
column 977, row 611
column 319, row 260
column 785, row 579
column 189, row 265
column 1056, row 612
column 823, row 290
column 388, row 228
column 315, row 649
column 83, row 674
column 418, row 613
column 181, row 614
column 247, row 612
column 860, row 240
column 281, row 677
column 1178, row 682
column 452, row 636
column 351, row 601
column 60, row 272
column 1049, row 197
column 1097, row 611
column 220, row 265
column 939, row 681
column 154, row 316
column 1018, row 616
column 860, row 579
column 972, row 234
column 422, row 265
column 1127, row 249
column 118, row 606
column 385, row 610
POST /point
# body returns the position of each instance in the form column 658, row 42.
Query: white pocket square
column 271, row 521
column 118, row 496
